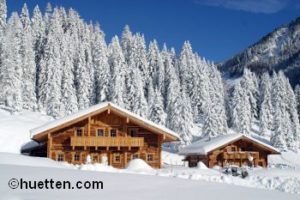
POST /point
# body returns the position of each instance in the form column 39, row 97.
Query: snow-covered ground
column 174, row 181
column 14, row 128
column 125, row 186
column 285, row 180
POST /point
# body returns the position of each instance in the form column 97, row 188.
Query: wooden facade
column 108, row 135
column 240, row 152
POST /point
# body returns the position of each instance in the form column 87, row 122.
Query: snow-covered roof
column 102, row 106
column 204, row 146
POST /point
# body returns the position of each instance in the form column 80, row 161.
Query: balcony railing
column 107, row 141
column 240, row 155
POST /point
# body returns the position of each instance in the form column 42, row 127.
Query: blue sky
column 217, row 29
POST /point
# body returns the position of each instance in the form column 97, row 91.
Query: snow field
column 126, row 186
column 284, row 180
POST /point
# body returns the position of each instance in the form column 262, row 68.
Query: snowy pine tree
column 179, row 116
column 156, row 67
column 28, row 62
column 209, row 128
column 156, row 110
column 126, row 42
column 69, row 102
column 11, row 72
column 51, row 70
column 117, row 64
column 3, row 14
column 297, row 94
column 266, row 107
column 249, row 83
column 241, row 110
column 278, row 137
column 100, row 62
column 286, row 125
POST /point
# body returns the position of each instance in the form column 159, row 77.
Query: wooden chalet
column 232, row 149
column 107, row 133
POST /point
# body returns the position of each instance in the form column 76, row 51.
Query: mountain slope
column 279, row 50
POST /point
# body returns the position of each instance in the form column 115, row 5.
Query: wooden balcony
column 107, row 141
column 240, row 155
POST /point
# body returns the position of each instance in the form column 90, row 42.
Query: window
column 79, row 131
column 133, row 133
column 77, row 157
column 113, row 133
column 149, row 157
column 135, row 156
column 100, row 132
column 60, row 157
column 117, row 158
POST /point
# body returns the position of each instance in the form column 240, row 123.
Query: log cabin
column 106, row 133
column 231, row 149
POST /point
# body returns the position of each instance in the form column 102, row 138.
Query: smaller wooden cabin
column 232, row 149
column 105, row 132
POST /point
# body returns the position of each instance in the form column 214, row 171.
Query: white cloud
column 255, row 6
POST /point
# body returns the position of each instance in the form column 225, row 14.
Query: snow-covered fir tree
column 249, row 83
column 126, row 42
column 297, row 94
column 266, row 106
column 209, row 129
column 286, row 125
column 293, row 140
column 3, row 14
column 217, row 101
column 240, row 110
column 51, row 69
column 69, row 102
column 11, row 72
column 117, row 65
column 156, row 66
column 156, row 110
column 83, row 81
column 178, row 108
column 28, row 62
column 100, row 62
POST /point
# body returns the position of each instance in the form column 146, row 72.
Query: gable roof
column 41, row 131
column 204, row 146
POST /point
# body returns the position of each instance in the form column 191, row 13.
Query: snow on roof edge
column 203, row 146
column 261, row 142
column 96, row 107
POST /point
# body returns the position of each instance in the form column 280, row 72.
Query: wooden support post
column 108, row 111
column 109, row 158
column 125, row 159
column 49, row 146
column 159, row 150
column 127, row 120
column 89, row 126
column 126, row 130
